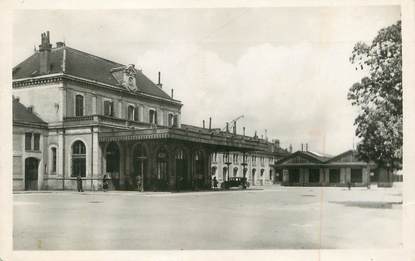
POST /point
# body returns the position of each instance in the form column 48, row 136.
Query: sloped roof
column 315, row 157
column 81, row 64
column 22, row 114
column 340, row 156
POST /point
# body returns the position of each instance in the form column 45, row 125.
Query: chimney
column 172, row 92
column 44, row 53
column 290, row 148
column 30, row 109
column 210, row 123
column 159, row 81
column 277, row 143
column 243, row 130
column 234, row 128
column 203, row 124
column 60, row 44
column 227, row 127
column 302, row 147
column 306, row 147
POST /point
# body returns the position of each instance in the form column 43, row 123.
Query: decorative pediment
column 126, row 77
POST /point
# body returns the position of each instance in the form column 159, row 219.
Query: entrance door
column 31, row 175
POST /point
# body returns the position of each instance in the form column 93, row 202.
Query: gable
column 298, row 158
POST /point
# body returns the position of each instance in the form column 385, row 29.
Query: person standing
column 105, row 183
column 215, row 183
column 79, row 183
column 139, row 185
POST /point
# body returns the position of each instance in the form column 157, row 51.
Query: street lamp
column 227, row 163
column 141, row 160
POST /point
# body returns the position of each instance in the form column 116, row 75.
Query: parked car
column 240, row 182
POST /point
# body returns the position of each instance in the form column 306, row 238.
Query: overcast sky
column 285, row 69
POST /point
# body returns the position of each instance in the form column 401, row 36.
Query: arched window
column 213, row 170
column 78, row 159
column 235, row 171
column 79, row 105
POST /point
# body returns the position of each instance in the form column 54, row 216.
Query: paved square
column 271, row 217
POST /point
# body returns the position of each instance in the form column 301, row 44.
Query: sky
column 285, row 69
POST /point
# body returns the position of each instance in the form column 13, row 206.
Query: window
column 108, row 108
column 175, row 121
column 130, row 112
column 356, row 176
column 314, row 176
column 334, row 176
column 78, row 159
column 136, row 113
column 79, row 105
column 28, row 141
column 153, row 116
column 262, row 161
column 36, row 141
column 53, row 160
column 170, row 120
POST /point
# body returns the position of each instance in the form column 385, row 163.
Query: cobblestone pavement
column 269, row 217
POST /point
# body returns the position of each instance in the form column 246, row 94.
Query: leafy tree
column 379, row 98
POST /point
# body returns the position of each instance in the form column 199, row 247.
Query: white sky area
column 286, row 70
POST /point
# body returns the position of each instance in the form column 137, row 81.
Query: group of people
column 139, row 183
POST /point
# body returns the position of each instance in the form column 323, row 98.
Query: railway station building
column 77, row 114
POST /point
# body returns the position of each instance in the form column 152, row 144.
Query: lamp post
column 141, row 159
column 244, row 169
column 228, row 164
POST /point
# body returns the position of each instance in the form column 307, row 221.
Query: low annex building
column 77, row 114
column 306, row 168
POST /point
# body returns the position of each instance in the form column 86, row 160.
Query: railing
column 107, row 119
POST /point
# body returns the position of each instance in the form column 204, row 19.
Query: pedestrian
column 349, row 185
column 215, row 183
column 105, row 183
column 139, row 185
column 79, row 183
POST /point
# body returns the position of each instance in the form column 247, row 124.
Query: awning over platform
column 214, row 138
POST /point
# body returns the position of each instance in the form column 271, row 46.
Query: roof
column 77, row 63
column 319, row 158
column 21, row 114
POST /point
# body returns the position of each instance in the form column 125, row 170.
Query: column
column 96, row 175
column 94, row 104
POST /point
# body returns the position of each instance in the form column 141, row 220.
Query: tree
column 379, row 98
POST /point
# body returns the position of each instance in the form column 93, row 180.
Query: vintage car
column 240, row 182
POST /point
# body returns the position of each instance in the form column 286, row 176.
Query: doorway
column 31, row 173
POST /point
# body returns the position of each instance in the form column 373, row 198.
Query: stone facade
column 95, row 118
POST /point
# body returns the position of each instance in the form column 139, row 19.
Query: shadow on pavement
column 368, row 204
